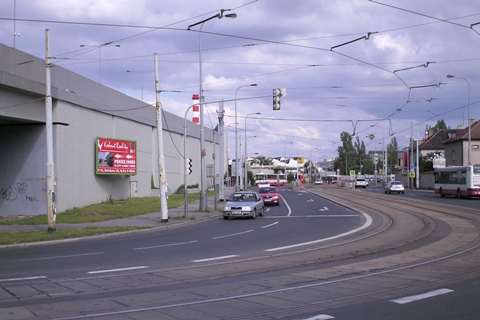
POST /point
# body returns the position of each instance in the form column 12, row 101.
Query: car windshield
column 267, row 190
column 396, row 183
column 242, row 197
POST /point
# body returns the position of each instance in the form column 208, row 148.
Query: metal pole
column 469, row 152
column 161, row 157
column 245, row 173
column 51, row 207
column 203, row 191
column 185, row 174
column 237, row 177
column 222, row 152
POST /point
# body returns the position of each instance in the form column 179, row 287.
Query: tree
column 426, row 162
column 440, row 125
column 392, row 154
column 263, row 160
column 347, row 157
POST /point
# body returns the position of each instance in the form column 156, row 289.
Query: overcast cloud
column 333, row 83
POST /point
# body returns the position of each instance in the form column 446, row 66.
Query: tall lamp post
column 469, row 153
column 410, row 180
column 203, row 192
column 246, row 158
column 311, row 165
column 245, row 173
column 107, row 44
column 385, row 155
column 237, row 177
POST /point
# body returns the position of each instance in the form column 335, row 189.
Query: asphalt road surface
column 324, row 253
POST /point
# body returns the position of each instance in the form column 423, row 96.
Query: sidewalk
column 154, row 219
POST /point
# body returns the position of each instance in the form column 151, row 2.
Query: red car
column 269, row 195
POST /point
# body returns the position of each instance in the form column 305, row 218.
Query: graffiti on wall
column 19, row 191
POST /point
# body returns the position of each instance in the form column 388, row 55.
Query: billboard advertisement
column 115, row 157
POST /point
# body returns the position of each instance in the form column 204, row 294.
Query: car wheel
column 254, row 214
column 261, row 212
column 403, row 192
column 225, row 217
column 385, row 191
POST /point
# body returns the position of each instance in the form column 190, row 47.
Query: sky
column 357, row 66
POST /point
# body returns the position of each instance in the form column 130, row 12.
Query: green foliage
column 263, row 160
column 290, row 177
column 118, row 209
column 12, row 237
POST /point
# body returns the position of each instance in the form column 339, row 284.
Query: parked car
column 318, row 181
column 360, row 183
column 244, row 204
column 270, row 195
column 394, row 186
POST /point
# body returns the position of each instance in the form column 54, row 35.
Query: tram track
column 412, row 237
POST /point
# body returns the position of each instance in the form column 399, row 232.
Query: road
column 429, row 195
column 322, row 254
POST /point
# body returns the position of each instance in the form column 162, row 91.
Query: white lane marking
column 288, row 207
column 421, row 296
column 216, row 258
column 310, row 200
column 59, row 257
column 321, row 317
column 270, row 225
column 314, row 216
column 166, row 245
column 231, row 235
column 117, row 270
column 24, row 278
column 367, row 223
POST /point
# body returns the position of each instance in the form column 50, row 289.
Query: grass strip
column 15, row 237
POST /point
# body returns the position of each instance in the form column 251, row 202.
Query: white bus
column 458, row 181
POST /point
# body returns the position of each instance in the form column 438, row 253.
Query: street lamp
column 203, row 192
column 410, row 180
column 469, row 154
column 245, row 174
column 108, row 44
column 311, row 164
column 385, row 153
column 237, row 177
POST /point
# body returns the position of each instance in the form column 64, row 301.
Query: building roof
column 435, row 141
column 454, row 135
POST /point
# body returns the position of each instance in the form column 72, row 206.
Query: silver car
column 244, row 204
column 394, row 186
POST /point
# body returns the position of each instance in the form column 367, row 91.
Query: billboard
column 115, row 157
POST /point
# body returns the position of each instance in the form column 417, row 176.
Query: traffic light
column 276, row 99
column 189, row 166
column 277, row 94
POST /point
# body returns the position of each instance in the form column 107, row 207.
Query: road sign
column 371, row 136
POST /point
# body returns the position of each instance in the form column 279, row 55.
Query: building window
column 453, row 155
column 475, row 147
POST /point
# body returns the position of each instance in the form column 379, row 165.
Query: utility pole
column 161, row 157
column 51, row 208
column 221, row 141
